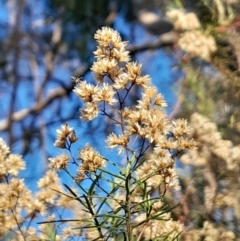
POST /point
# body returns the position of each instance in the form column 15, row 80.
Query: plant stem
column 128, row 208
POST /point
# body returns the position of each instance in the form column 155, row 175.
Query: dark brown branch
column 40, row 105
column 167, row 39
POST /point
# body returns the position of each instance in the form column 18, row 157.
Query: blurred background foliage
column 86, row 17
column 44, row 43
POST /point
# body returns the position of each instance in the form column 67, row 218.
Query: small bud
column 72, row 137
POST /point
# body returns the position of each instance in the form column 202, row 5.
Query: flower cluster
column 165, row 228
column 91, row 161
column 15, row 197
column 9, row 163
column 19, row 207
column 142, row 133
column 142, row 126
column 147, row 120
column 210, row 145
column 184, row 21
column 197, row 44
column 192, row 39
column 218, row 162
column 210, row 232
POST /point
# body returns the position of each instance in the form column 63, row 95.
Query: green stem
column 91, row 209
column 128, row 208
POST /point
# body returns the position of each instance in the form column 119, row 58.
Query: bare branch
column 167, row 39
column 19, row 115
column 40, row 105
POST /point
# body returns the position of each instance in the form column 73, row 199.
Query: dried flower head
column 183, row 21
column 50, row 187
column 9, row 163
column 210, row 144
column 91, row 159
column 85, row 91
column 59, row 162
column 197, row 44
column 64, row 134
column 113, row 141
column 106, row 93
column 109, row 38
column 4, row 149
column 90, row 111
